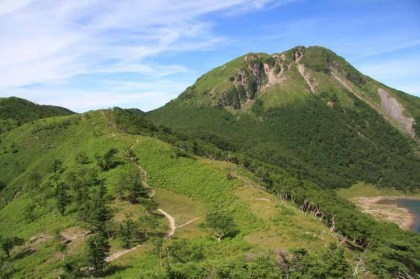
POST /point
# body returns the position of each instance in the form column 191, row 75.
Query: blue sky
column 100, row 53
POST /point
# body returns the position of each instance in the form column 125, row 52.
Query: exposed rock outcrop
column 298, row 54
column 396, row 111
column 246, row 83
column 307, row 77
column 258, row 74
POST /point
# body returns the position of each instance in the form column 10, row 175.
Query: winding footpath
column 171, row 219
column 189, row 222
column 118, row 254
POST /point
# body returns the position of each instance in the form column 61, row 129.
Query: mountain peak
column 242, row 80
column 258, row 81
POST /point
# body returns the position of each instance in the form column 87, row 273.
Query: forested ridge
column 15, row 111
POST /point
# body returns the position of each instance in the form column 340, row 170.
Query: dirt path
column 197, row 218
column 171, row 219
column 189, row 222
column 118, row 254
column 70, row 238
column 144, row 173
column 152, row 193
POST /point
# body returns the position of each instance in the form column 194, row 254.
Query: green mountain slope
column 73, row 186
column 15, row 112
column 306, row 110
column 49, row 154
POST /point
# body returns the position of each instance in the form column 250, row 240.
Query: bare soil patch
column 390, row 212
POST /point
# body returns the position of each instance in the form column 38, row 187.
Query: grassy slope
column 186, row 188
column 368, row 190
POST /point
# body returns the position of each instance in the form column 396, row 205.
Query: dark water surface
column 412, row 205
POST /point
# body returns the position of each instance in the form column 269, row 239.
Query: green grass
column 180, row 206
column 186, row 188
column 283, row 225
column 362, row 189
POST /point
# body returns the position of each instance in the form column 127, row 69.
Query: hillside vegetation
column 15, row 112
column 50, row 204
column 61, row 195
column 305, row 110
column 237, row 178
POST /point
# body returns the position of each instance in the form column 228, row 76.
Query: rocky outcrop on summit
column 247, row 81
column 258, row 73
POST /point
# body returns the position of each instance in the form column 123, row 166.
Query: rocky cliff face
column 395, row 111
column 246, row 83
column 260, row 72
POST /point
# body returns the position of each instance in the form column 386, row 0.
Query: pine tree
column 147, row 223
column 130, row 186
column 126, row 232
column 8, row 243
column 97, row 249
column 97, row 210
column 107, row 161
column 63, row 198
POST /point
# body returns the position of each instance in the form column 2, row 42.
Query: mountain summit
column 295, row 75
column 308, row 110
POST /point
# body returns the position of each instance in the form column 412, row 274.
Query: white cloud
column 401, row 74
column 8, row 6
column 49, row 43
column 392, row 69
column 126, row 94
column 46, row 42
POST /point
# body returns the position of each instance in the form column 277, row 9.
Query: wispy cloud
column 145, row 95
column 47, row 42
column 398, row 73
column 84, row 54
column 393, row 69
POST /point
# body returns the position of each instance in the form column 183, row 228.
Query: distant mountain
column 15, row 112
column 306, row 110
